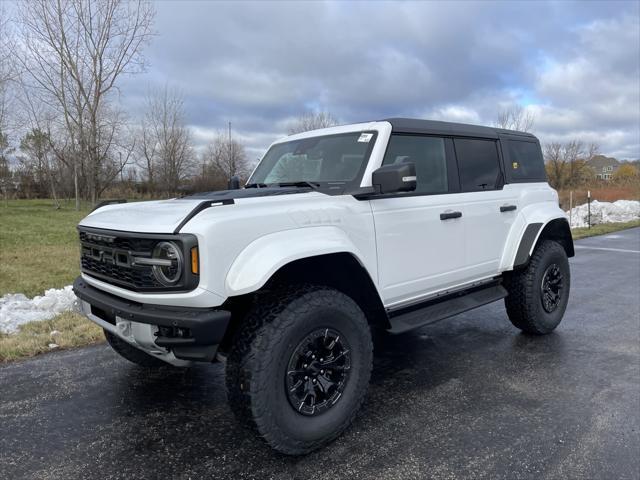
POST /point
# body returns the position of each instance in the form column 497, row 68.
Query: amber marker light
column 195, row 261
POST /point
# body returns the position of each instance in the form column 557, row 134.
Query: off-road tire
column 524, row 302
column 261, row 351
column 133, row 354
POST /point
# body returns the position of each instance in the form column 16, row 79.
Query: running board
column 403, row 320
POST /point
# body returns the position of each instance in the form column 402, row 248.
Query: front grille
column 138, row 277
column 118, row 242
column 109, row 256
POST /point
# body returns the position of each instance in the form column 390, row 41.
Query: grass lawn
column 603, row 229
column 39, row 250
column 38, row 246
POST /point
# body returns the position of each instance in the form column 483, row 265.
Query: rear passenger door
column 489, row 209
column 419, row 250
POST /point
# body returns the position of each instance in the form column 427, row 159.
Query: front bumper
column 167, row 332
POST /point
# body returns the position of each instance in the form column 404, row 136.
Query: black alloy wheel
column 318, row 372
column 551, row 287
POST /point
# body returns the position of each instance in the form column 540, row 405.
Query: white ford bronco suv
column 387, row 225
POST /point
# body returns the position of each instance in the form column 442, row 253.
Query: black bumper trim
column 207, row 325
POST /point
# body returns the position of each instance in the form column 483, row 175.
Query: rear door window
column 478, row 164
column 525, row 162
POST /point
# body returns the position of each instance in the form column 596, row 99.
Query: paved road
column 467, row 398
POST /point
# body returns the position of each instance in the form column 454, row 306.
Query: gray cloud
column 258, row 65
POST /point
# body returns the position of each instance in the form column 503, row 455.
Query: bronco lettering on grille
column 108, row 255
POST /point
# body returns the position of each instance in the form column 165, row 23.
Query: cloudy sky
column 576, row 66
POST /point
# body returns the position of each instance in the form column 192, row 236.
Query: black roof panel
column 411, row 125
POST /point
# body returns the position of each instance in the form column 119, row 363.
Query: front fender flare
column 255, row 265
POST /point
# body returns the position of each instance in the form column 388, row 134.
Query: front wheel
column 299, row 367
column 538, row 294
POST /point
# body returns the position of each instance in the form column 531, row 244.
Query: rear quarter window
column 524, row 162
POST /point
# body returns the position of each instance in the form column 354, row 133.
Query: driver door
column 420, row 234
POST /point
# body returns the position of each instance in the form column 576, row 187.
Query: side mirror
column 234, row 183
column 399, row 177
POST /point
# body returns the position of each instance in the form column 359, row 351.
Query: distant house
column 603, row 166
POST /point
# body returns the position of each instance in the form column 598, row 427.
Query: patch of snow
column 16, row 309
column 605, row 212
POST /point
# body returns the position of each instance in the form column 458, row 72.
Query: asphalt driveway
column 470, row 397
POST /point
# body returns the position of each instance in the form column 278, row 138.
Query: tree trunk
column 75, row 181
column 52, row 184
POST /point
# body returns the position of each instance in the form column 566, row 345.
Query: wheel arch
column 342, row 271
column 556, row 229
column 262, row 258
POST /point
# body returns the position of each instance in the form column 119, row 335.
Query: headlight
column 170, row 271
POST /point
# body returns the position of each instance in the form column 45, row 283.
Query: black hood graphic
column 222, row 195
column 227, row 197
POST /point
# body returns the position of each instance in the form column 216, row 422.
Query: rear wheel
column 538, row 294
column 299, row 367
column 132, row 353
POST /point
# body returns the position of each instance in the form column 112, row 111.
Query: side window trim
column 453, row 173
column 502, row 180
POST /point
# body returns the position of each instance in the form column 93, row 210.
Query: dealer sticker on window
column 365, row 137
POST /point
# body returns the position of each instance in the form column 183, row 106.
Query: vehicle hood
column 168, row 216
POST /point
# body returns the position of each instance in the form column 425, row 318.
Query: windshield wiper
column 255, row 185
column 302, row 183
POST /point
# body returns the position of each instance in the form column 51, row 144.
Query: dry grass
column 602, row 193
column 67, row 330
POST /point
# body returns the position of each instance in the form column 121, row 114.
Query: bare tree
column 36, row 147
column 515, row 117
column 6, row 176
column 7, row 71
column 312, row 121
column 567, row 163
column 73, row 54
column 222, row 159
column 164, row 145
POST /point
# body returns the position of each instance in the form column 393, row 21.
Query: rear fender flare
column 534, row 222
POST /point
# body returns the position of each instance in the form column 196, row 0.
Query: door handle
column 508, row 208
column 448, row 215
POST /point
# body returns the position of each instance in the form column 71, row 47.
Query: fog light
column 173, row 332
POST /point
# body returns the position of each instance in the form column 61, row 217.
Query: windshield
column 329, row 159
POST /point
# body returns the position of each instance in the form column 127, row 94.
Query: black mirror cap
column 234, row 183
column 399, row 177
